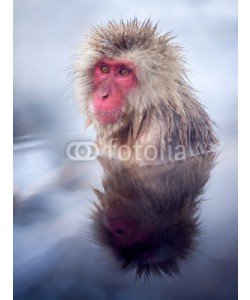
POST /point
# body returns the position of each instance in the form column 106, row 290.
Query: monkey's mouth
column 107, row 117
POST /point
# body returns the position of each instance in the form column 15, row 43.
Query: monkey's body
column 153, row 105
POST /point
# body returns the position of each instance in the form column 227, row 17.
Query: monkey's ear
column 100, row 195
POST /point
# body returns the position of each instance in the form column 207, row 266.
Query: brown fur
column 162, row 109
column 163, row 200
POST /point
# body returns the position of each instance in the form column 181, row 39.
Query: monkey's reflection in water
column 148, row 216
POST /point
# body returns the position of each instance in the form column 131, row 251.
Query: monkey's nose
column 104, row 96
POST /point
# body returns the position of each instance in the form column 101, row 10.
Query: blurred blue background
column 52, row 195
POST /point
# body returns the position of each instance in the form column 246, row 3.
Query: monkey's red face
column 112, row 81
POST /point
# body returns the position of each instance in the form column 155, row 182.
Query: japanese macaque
column 132, row 85
column 148, row 216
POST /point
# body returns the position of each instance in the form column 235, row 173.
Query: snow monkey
column 148, row 217
column 132, row 84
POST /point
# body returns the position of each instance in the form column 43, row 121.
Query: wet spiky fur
column 163, row 107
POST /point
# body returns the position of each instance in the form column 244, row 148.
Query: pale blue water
column 55, row 258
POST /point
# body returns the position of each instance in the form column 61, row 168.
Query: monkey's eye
column 124, row 72
column 104, row 69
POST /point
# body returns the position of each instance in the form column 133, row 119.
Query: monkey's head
column 125, row 71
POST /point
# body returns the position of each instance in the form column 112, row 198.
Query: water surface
column 59, row 254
